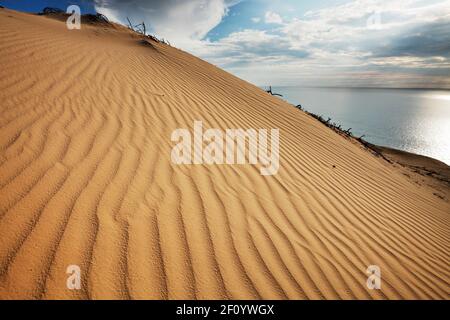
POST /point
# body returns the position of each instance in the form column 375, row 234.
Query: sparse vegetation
column 142, row 30
column 338, row 128
column 50, row 10
column 87, row 18
column 139, row 28
column 274, row 94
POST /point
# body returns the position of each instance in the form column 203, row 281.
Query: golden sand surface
column 86, row 179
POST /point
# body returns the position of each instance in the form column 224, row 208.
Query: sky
column 358, row 43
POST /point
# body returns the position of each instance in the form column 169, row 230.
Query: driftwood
column 130, row 25
column 51, row 10
column 162, row 40
column 274, row 94
column 139, row 28
column 347, row 133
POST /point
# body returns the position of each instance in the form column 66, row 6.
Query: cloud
column 272, row 17
column 409, row 46
column 249, row 47
column 361, row 42
column 180, row 21
column 426, row 40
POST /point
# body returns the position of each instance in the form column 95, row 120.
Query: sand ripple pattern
column 86, row 179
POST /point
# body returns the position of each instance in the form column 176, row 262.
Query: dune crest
column 86, row 179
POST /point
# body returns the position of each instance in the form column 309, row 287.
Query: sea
column 414, row 120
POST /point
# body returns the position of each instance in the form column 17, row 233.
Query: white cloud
column 180, row 21
column 330, row 46
column 336, row 46
column 272, row 17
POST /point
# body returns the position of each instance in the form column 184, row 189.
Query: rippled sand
column 86, row 179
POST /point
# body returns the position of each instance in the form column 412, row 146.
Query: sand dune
column 86, row 179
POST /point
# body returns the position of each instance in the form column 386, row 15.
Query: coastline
column 89, row 191
column 384, row 116
column 422, row 169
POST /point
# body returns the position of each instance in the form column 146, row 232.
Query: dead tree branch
column 274, row 94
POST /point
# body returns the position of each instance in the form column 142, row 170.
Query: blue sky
column 398, row 43
column 240, row 15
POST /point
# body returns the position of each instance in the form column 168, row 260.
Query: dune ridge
column 86, row 179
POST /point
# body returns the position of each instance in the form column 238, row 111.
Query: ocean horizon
column 413, row 120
